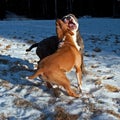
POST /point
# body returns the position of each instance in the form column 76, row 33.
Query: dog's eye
column 63, row 18
column 66, row 18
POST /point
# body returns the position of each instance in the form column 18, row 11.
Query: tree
column 2, row 9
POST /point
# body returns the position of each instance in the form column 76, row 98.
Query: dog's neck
column 74, row 37
column 68, row 40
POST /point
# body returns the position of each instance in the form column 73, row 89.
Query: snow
column 21, row 99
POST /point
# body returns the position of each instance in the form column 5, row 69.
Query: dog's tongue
column 72, row 25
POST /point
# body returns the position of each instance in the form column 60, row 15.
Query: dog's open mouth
column 72, row 25
column 70, row 21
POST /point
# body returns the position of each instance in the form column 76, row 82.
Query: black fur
column 45, row 47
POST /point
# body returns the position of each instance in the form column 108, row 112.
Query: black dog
column 45, row 47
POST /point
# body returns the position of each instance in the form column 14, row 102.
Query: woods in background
column 51, row 9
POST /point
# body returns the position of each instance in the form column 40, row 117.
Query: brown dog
column 49, row 45
column 52, row 68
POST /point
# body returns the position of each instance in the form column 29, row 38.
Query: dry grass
column 112, row 88
column 61, row 114
column 98, row 111
column 98, row 82
column 56, row 92
column 19, row 102
column 5, row 84
column 7, row 47
column 3, row 116
column 113, row 113
column 22, row 103
column 31, row 41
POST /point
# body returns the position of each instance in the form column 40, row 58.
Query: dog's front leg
column 79, row 78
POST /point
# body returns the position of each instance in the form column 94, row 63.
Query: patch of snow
column 31, row 100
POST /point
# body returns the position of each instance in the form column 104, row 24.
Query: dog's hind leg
column 79, row 77
column 62, row 80
column 70, row 91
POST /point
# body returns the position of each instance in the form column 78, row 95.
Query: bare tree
column 55, row 1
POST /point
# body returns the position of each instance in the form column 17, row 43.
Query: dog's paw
column 76, row 95
column 60, row 44
column 29, row 78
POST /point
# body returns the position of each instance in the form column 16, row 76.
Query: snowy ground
column 21, row 99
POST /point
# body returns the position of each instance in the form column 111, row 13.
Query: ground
column 21, row 99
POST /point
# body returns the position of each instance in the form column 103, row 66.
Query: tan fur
column 53, row 68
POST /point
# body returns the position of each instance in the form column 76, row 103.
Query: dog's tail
column 31, row 47
column 36, row 74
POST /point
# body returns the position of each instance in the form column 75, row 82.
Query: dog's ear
column 57, row 22
column 59, row 30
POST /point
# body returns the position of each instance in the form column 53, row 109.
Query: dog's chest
column 75, row 41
